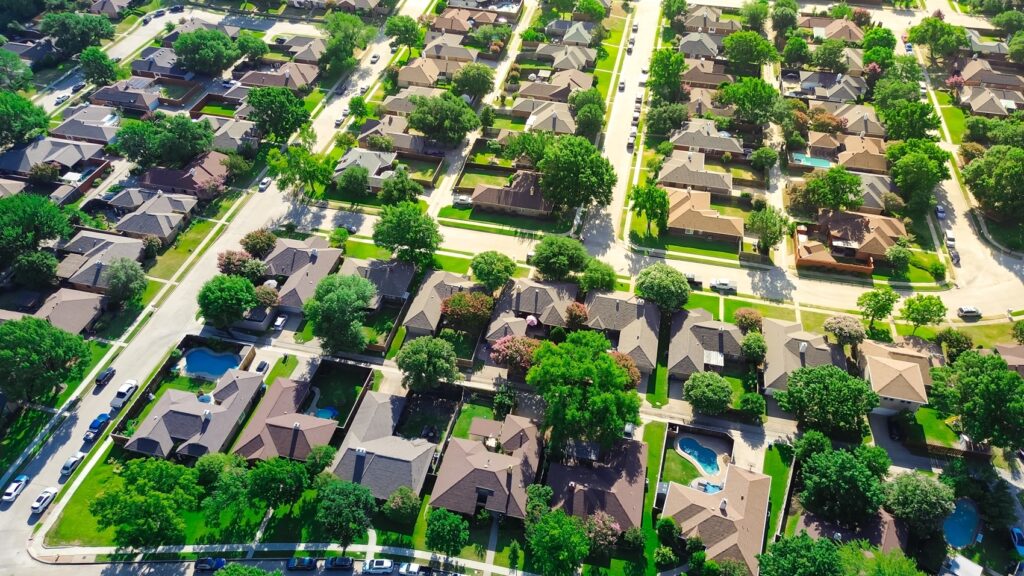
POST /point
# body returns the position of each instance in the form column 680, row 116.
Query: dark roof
column 277, row 428
column 392, row 278
column 614, row 485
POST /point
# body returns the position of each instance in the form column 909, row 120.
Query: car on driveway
column 42, row 502
column 280, row 322
column 722, row 285
column 940, row 212
column 895, row 429
column 61, row 99
column 16, row 487
column 105, row 377
column 968, row 312
column 210, row 564
column 378, row 566
column 96, row 427
column 124, row 393
column 410, row 569
column 262, row 366
column 308, row 564
column 71, row 463
column 339, row 563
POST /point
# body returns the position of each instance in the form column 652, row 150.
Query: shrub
column 752, row 405
column 937, row 270
column 557, row 335
column 665, row 557
column 668, row 531
column 632, row 539
column 726, row 157
column 576, row 316
column 971, row 150
column 747, row 319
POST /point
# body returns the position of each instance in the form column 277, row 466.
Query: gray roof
column 180, row 424
column 62, row 152
column 546, row 301
column 89, row 122
column 160, row 62
column 401, row 103
column 392, row 278
column 373, row 456
column 425, row 311
column 278, row 428
column 305, row 263
column 697, row 340
column 874, row 187
column 615, row 485
column 71, row 310
column 565, row 57
column 636, row 322
column 128, row 93
column 160, row 215
column 700, row 133
column 90, row 254
column 229, row 133
column 378, row 164
column 687, row 170
column 986, row 46
column 701, row 45
column 32, row 51
column 10, row 187
column 791, row 348
column 832, row 86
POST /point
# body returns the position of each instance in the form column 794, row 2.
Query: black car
column 106, row 376
column 147, row 19
column 159, row 12
column 895, row 429
column 279, row 40
column 210, row 564
column 78, row 87
column 262, row 366
column 339, row 563
column 177, row 8
column 307, row 564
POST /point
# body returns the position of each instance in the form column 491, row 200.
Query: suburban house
column 860, row 120
column 292, row 75
column 127, row 94
column 303, row 264
column 613, row 484
column 402, row 103
column 860, row 236
column 705, row 74
column 857, row 153
column 699, row 343
column 193, row 24
column 110, row 8
column 71, row 158
column 731, row 523
column 690, row 214
column 978, row 72
column 182, row 425
column 832, row 28
column 521, row 195
column 71, row 310
column 1013, row 355
column 380, row 165
column 305, row 49
column 630, row 323
column 702, row 18
column 449, row 47
column 701, row 135
column 462, row 20
column 882, row 530
column 374, row 456
column 34, row 53
column 985, row 101
column 558, row 89
column 160, row 63
column 900, row 376
column 358, row 5
column 873, row 188
column 203, row 177
column 232, row 134
column 130, row 199
column 491, row 469
column 995, row 49
column 564, row 57
column 277, row 427
column 572, row 32
column 854, row 61
column 391, row 278
column 394, row 128
column 87, row 123
column 702, row 101
column 555, row 117
column 425, row 72
column 701, row 46
column 832, row 86
column 10, row 187
column 528, row 307
column 88, row 255
column 423, row 318
column 162, row 216
column 685, row 170
column 790, row 348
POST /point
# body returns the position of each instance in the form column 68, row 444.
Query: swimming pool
column 806, row 160
column 206, row 363
column 329, row 412
column 704, row 456
column 961, row 526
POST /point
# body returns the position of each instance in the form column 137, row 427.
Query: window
column 688, row 231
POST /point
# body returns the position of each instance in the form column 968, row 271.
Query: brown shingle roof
column 872, row 233
column 693, row 211
column 277, row 428
column 614, row 485
column 791, row 348
column 637, row 323
column 698, row 340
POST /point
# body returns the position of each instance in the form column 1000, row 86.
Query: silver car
column 71, row 463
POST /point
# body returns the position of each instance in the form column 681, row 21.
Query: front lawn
column 174, row 256
column 673, row 243
column 814, row 321
column 524, row 222
column 678, row 469
column 766, row 310
column 777, row 461
column 955, row 121
column 452, row 264
column 365, row 250
column 603, row 81
column 509, row 123
column 466, row 416
column 312, row 100
column 919, row 270
column 707, row 302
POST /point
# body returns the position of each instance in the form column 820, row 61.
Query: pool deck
column 719, row 445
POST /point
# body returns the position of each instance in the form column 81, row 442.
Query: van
column 947, row 234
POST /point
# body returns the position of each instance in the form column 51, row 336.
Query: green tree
column 663, row 285
column 749, row 50
column 337, row 310
column 20, row 119
column 905, row 120
column 126, row 282
column 354, row 182
column 318, row 459
column 206, row 51
column 673, row 8
column 922, row 309
column 447, row 532
column 36, row 357
column 771, row 225
column 796, row 52
column 920, row 501
column 236, row 569
column 889, row 92
column 708, row 393
column 784, row 18
column 597, row 276
column 345, row 32
column 836, row 189
column 664, row 118
column 1009, row 22
column 344, row 511
column 400, row 188
column 668, row 531
column 585, row 389
column 840, row 487
column 26, row 221
column 556, row 257
column 259, row 242
column 764, row 158
column 35, row 269
column 877, row 304
column 828, row 399
column 830, row 55
column 14, row 73
column 559, row 544
column 879, row 37
column 811, row 443
column 589, row 120
column 402, row 506
column 755, row 15
column 276, row 111
column 574, row 174
column 753, row 405
column 954, row 342
column 1016, row 49
column 357, row 107
column 299, row 169
column 1018, row 331
column 533, row 145
column 486, row 116
column 666, row 72
column 883, row 57
column 474, row 79
column 492, row 269
column 847, row 330
column 170, row 140
column 756, row 101
column 943, row 39
column 223, row 300
column 97, row 67
column 412, row 235
column 997, row 180
column 801, row 556
column 251, row 46
column 986, row 395
column 277, row 481
column 427, row 362
column 447, row 118
column 754, row 348
column 594, row 10
column 73, row 32
column 651, row 202
column 404, row 30
column 875, row 458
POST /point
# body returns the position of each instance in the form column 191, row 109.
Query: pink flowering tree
column 603, row 530
column 516, row 352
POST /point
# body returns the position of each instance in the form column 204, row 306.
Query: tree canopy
column 447, row 532
column 14, row 73
column 836, row 189
column 906, row 119
column 575, row 174
column 277, row 481
column 801, row 556
column 20, row 119
column 920, row 501
column 73, row 31
column 300, row 170
column 337, row 310
column 663, row 285
column 559, row 543
column 206, row 51
column 169, row 140
column 651, row 202
column 830, row 55
column 403, row 29
column 446, row 118
column 756, row 101
column 877, row 304
column 345, row 32
column 36, row 357
column 942, row 38
column 922, row 309
column 828, row 399
column 556, row 257
column 492, row 269
column 399, row 187
column 97, row 67
column 986, row 395
column 997, row 181
column 474, row 79
column 126, row 282
column 839, row 486
column 708, row 392
column 276, row 111
column 666, row 71
column 344, row 511
column 427, row 362
column 224, row 299
column 770, row 224
column 749, row 49
column 412, row 235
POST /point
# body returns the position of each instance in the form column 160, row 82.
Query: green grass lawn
column 297, row 522
column 1007, row 233
column 312, row 100
column 365, row 250
column 738, row 381
column 814, row 321
column 396, row 344
column 421, row 170
column 926, row 332
column 379, row 324
column 955, row 121
column 731, row 210
column 524, row 222
column 737, row 170
column 283, row 368
column 483, row 156
column 20, row 433
column 609, row 53
column 452, row 264
column 657, row 384
column 172, row 259
column 113, row 325
column 928, row 426
column 479, row 534
column 220, row 109
column 777, row 462
column 473, row 176
column 922, row 233
column 340, row 385
column 654, row 437
column 917, row 272
column 678, row 469
column 603, row 80
column 988, row 335
column 509, row 123
column 766, row 310
column 673, row 243
column 470, row 411
column 152, row 288
column 708, row 302
column 219, row 206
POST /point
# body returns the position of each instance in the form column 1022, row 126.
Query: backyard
column 678, row 469
column 927, row 426
column 777, row 461
column 467, row 414
column 220, row 109
column 472, row 176
column 339, row 385
column 378, row 325
column 509, row 123
column 426, row 417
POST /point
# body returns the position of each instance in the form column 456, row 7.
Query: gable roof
column 842, row 29
column 702, row 134
column 706, row 72
column 992, row 101
column 546, row 301
column 896, row 371
column 698, row 340
column 401, row 103
column 1013, row 355
column 702, row 101
column 686, row 170
column 64, row 153
column 71, row 310
column 159, row 61
column 521, row 192
column 127, row 94
column 32, row 51
column 566, row 57
column 392, row 278
column 449, row 47
column 229, row 133
column 636, row 321
column 859, row 118
column 111, row 8
column 987, row 47
column 833, row 86
column 462, row 20
column 424, row 312
column 90, row 254
column 375, row 162
column 305, row 263
column 305, row 48
column 701, row 45
column 614, row 485
column 873, row 188
column 89, row 122
column 277, row 428
column 861, row 153
column 291, row 75
column 691, row 210
column 206, row 168
column 790, row 348
column 553, row 117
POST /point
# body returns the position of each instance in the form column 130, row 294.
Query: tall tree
column 755, row 14
column 920, row 501
column 276, row 111
column 663, row 285
column 35, row 269
column 771, row 225
column 997, row 181
column 20, row 119
column 14, row 73
column 126, row 282
column 942, row 38
column 594, row 10
column 412, row 235
column 36, row 357
column 840, row 487
column 749, row 50
column 836, row 189
column 708, row 393
column 427, row 362
column 828, row 399
column 756, row 101
column 447, row 532
column 400, row 188
column 801, row 556
column 831, row 55
column 354, row 182
column 97, row 67
column 446, row 118
column 26, row 221
column 344, row 511
column 277, row 481
column 556, row 257
column 922, row 309
column 337, row 310
column 251, row 46
column 651, row 202
column 169, row 140
column 796, row 52
column 492, row 269
column 73, row 32
column 877, row 304
column 559, row 543
column 574, row 174
column 474, row 79
column 665, row 118
column 206, row 51
column 223, row 300
column 404, row 30
column 986, row 395
column 905, row 120
column 666, row 73
column 300, row 170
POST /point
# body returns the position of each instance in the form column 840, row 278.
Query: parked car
column 262, row 366
column 308, row 564
column 106, row 376
column 629, row 49
column 159, row 12
column 722, row 285
column 210, row 564
column 265, row 183
column 923, row 87
column 693, row 281
column 124, row 393
column 280, row 322
column 909, row 46
column 378, row 566
column 42, row 502
column 16, row 487
column 78, row 87
column 1017, row 537
column 147, row 19
column 374, row 59
column 177, row 8
column 895, row 430
column 636, row 27
column 639, row 98
column 96, row 426
column 338, row 121
column 71, row 463
column 408, row 569
column 352, row 228
column 622, row 86
column 940, row 212
column 966, row 312
column 363, row 89
column 61, row 99
column 954, row 256
column 280, row 40
column 339, row 563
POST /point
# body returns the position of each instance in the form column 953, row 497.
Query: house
column 1013, row 354
column 521, row 299
column 425, row 72
column 358, row 5
column 731, row 523
column 900, row 376
column 88, row 255
column 71, row 310
column 553, row 117
column 791, row 348
column 292, row 75
column 699, row 343
column 558, row 89
column 423, row 318
column 34, row 53
column 881, row 531
column 462, row 20
column 127, row 95
column 994, row 49
column 690, row 214
column 181, row 424
column 701, row 135
column 860, row 120
column 564, row 57
column 978, row 72
column 614, row 484
column 571, row 32
column 130, row 199
column 87, row 123
column 491, row 470
column 858, row 153
column 305, row 49
column 832, row 86
column 832, row 28
column 378, row 164
column 394, row 128
column 873, row 189
column 860, row 236
column 231, row 134
column 374, row 456
column 985, row 101
column 702, row 101
column 10, row 187
column 686, row 170
column 277, row 426
column 402, row 103
column 203, row 177
column 521, row 196
column 162, row 216
column 854, row 61
column 391, row 278
column 703, row 18
column 705, row 74
column 449, row 47
column 700, row 45
column 304, row 263
column 193, row 24
column 160, row 63
column 110, row 8
column 630, row 323
column 67, row 155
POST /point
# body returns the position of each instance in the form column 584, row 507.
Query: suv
column 105, row 377
column 968, row 312
column 339, row 563
column 124, row 393
column 378, row 566
column 177, row 8
column 96, row 427
column 722, row 285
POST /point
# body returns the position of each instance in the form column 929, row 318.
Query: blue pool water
column 806, row 160
column 328, row 412
column 209, row 364
column 712, row 488
column 706, row 457
column 961, row 526
column 206, row 399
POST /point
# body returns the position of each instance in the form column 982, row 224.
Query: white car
column 42, row 502
column 280, row 322
column 374, row 59
column 722, row 285
column 124, row 393
column 61, row 99
column 378, row 566
column 16, row 487
column 71, row 463
column 408, row 569
column 265, row 183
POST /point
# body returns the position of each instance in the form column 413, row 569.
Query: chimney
column 803, row 353
column 296, row 426
column 724, row 505
column 206, row 415
column 360, row 452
